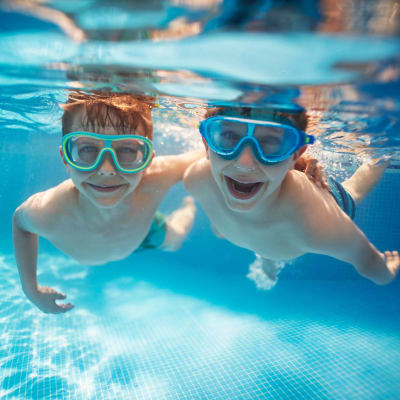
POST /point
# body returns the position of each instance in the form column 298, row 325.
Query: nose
column 107, row 167
column 246, row 160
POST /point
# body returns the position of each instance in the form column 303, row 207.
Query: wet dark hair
column 298, row 119
column 123, row 111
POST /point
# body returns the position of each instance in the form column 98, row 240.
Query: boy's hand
column 45, row 299
column 392, row 260
column 313, row 169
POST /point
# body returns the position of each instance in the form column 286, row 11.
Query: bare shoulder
column 299, row 192
column 39, row 211
column 198, row 176
column 319, row 222
column 304, row 201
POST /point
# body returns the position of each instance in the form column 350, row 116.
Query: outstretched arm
column 321, row 227
column 26, row 253
column 379, row 267
column 173, row 167
column 348, row 243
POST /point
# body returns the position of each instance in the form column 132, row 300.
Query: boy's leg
column 179, row 224
column 264, row 273
column 364, row 179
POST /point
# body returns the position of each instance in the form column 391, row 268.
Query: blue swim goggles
column 85, row 150
column 272, row 142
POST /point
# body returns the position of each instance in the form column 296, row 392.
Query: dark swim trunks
column 156, row 236
column 342, row 197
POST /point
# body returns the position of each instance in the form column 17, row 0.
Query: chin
column 106, row 202
column 239, row 206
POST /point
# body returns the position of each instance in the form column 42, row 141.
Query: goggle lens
column 226, row 134
column 275, row 141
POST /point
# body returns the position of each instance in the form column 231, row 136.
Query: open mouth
column 105, row 188
column 242, row 190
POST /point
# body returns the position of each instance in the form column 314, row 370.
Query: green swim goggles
column 85, row 150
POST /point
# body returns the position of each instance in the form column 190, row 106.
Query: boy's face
column 105, row 186
column 245, row 182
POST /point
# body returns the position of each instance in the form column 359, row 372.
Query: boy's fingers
column 62, row 308
column 391, row 255
column 322, row 178
column 310, row 173
column 310, row 166
column 317, row 174
column 66, row 307
column 59, row 296
column 325, row 181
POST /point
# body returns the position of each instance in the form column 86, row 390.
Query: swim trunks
column 342, row 197
column 156, row 236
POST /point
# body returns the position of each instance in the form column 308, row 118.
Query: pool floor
column 130, row 338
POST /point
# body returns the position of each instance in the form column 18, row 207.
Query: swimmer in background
column 108, row 207
column 253, row 196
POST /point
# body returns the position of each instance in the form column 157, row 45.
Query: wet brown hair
column 298, row 119
column 123, row 111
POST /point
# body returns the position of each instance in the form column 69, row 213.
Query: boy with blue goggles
column 272, row 142
column 261, row 200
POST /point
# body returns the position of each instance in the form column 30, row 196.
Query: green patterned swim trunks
column 156, row 236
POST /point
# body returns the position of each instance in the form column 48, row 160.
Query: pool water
column 166, row 329
column 191, row 324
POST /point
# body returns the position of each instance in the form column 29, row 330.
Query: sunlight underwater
column 141, row 326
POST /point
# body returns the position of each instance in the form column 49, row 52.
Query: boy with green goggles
column 108, row 207
column 250, row 189
column 84, row 151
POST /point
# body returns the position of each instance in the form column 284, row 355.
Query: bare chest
column 94, row 245
column 273, row 239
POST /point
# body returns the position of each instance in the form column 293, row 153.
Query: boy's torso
column 278, row 234
column 92, row 241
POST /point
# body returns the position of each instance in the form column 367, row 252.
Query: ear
column 152, row 156
column 62, row 156
column 206, row 146
column 144, row 171
column 298, row 153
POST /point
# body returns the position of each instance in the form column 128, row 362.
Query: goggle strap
column 309, row 139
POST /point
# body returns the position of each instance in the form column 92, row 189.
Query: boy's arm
column 345, row 241
column 173, row 167
column 26, row 253
column 319, row 226
column 367, row 259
